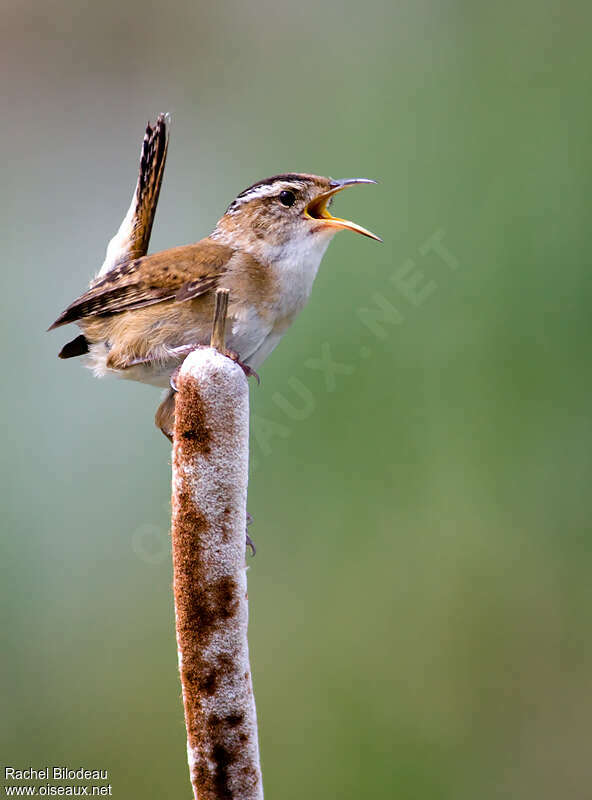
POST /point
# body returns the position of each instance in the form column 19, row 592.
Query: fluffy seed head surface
column 210, row 468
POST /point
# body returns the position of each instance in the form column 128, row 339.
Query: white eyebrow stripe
column 265, row 190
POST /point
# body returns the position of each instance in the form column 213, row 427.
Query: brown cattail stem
column 210, row 469
column 218, row 340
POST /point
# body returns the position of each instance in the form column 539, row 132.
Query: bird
column 143, row 314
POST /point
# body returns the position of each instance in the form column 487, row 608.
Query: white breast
column 296, row 266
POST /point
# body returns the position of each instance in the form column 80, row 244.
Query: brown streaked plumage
column 180, row 273
column 142, row 315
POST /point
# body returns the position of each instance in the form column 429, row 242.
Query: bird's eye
column 287, row 198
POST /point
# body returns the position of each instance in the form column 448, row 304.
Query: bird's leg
column 118, row 361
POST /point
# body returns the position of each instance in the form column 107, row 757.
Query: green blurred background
column 420, row 600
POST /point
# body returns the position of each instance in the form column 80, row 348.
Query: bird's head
column 285, row 211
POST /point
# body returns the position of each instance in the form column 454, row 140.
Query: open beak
column 317, row 208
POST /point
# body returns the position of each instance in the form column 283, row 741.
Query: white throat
column 295, row 263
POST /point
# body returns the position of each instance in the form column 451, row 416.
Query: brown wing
column 180, row 273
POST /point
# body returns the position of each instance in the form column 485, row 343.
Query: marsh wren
column 143, row 314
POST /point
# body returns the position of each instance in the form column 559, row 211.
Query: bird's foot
column 249, row 371
column 231, row 354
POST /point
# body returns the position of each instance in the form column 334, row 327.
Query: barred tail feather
column 132, row 239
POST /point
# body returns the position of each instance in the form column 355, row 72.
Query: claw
column 250, row 542
column 173, row 379
column 249, row 371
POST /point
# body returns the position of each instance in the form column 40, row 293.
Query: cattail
column 210, row 473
